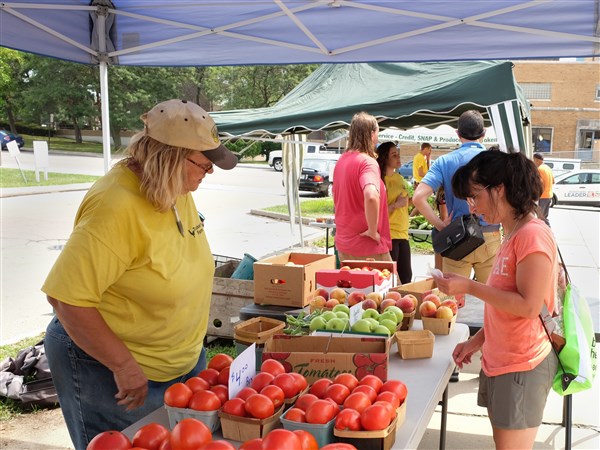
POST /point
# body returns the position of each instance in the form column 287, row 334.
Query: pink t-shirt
column 353, row 171
column 512, row 343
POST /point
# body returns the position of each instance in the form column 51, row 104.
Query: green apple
column 381, row 329
column 362, row 326
column 341, row 315
column 342, row 308
column 389, row 324
column 373, row 322
column 317, row 323
column 388, row 315
column 371, row 312
column 328, row 315
column 397, row 311
column 336, row 324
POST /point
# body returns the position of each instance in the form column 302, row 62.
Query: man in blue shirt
column 470, row 131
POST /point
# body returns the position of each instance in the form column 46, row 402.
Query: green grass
column 64, row 144
column 9, row 409
column 10, row 178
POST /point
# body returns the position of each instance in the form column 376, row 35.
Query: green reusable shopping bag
column 577, row 359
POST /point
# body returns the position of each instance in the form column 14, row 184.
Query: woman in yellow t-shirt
column 398, row 197
column 132, row 287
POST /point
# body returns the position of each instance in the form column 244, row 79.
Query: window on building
column 598, row 92
column 542, row 139
column 537, row 91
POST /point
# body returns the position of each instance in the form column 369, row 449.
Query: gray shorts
column 516, row 400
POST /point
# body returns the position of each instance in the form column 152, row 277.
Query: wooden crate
column 228, row 298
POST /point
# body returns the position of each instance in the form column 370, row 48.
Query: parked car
column 310, row 148
column 317, row 174
column 7, row 136
column 578, row 187
column 406, row 170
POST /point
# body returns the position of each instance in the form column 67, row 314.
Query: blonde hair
column 162, row 167
column 360, row 134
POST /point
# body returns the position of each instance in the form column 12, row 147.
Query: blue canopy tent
column 205, row 32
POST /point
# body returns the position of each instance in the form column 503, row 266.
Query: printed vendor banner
column 443, row 135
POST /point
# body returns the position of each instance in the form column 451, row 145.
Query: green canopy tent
column 401, row 95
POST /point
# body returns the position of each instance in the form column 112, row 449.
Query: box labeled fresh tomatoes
column 326, row 357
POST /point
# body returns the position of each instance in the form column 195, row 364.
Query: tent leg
column 567, row 419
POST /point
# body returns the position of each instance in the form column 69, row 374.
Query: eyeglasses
column 471, row 199
column 206, row 167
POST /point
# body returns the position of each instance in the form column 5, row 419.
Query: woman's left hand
column 452, row 284
column 132, row 385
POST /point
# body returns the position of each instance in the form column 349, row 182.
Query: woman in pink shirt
column 359, row 196
column 517, row 363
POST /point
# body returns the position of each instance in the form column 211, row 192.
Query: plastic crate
column 208, row 418
column 322, row 433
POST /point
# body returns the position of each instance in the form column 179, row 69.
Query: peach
column 414, row 299
column 331, row 303
column 339, row 294
column 427, row 309
column 355, row 297
column 387, row 302
column 450, row 304
column 393, row 294
column 376, row 296
column 369, row 303
column 322, row 292
column 443, row 312
column 433, row 298
column 406, row 305
column 345, row 268
column 318, row 302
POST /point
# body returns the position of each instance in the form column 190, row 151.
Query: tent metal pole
column 101, row 20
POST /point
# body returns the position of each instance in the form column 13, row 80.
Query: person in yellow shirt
column 421, row 163
column 547, row 181
column 132, row 287
column 398, row 199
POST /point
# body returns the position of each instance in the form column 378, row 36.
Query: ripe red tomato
column 321, row 411
column 246, row 392
column 115, row 440
column 166, row 444
column 189, row 434
column 295, row 415
column 210, row 375
column 205, row 401
column 217, row 445
column 259, row 406
column 339, row 446
column 220, row 361
column 279, row 439
column 252, row 444
column 375, row 417
column 307, row 440
column 358, row 401
column 275, row 393
column 337, row 392
column 397, row 387
column 388, row 406
column 178, row 395
column 373, row 381
column 272, row 366
column 223, row 377
column 287, row 383
column 305, row 400
column 390, row 397
column 348, row 419
column 367, row 390
column 347, row 379
column 197, row 384
column 235, row 407
column 318, row 387
column 260, row 380
column 221, row 391
column 300, row 381
column 150, row 436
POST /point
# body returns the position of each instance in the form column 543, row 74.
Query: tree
column 12, row 75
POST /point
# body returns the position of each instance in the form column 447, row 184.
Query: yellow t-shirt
column 151, row 285
column 396, row 186
column 547, row 180
column 419, row 161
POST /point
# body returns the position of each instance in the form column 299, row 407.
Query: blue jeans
column 86, row 389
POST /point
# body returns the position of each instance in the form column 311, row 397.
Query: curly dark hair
column 518, row 174
column 383, row 154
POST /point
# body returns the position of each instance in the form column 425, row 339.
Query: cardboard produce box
column 288, row 279
column 353, row 276
column 424, row 287
column 326, row 357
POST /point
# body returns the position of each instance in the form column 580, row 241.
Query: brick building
column 565, row 106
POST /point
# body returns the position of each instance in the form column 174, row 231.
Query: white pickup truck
column 276, row 156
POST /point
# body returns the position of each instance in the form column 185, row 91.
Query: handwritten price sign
column 355, row 313
column 242, row 371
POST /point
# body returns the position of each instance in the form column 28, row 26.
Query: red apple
column 443, row 312
column 406, row 305
column 322, row 292
column 433, row 298
column 369, row 304
column 450, row 304
column 355, row 297
column 376, row 296
column 427, row 309
column 393, row 294
column 339, row 294
column 387, row 302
